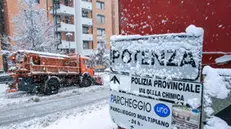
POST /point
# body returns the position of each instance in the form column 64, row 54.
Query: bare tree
column 32, row 29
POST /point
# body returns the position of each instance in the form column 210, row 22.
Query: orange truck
column 41, row 72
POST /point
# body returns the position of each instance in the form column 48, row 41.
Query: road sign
column 166, row 90
column 144, row 113
column 175, row 56
column 115, row 80
column 154, row 80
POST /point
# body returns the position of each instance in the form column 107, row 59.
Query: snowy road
column 19, row 113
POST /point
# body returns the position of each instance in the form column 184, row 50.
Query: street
column 23, row 112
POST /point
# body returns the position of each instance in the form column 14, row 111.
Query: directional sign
column 115, row 80
column 154, row 80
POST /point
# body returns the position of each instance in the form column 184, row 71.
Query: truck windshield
column 19, row 57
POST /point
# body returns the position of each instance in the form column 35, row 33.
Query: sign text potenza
column 154, row 57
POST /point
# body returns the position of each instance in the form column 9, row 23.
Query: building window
column 100, row 32
column 86, row 13
column 85, row 30
column 101, row 44
column 38, row 1
column 86, row 45
column 100, row 5
column 66, row 2
column 100, row 19
column 67, row 19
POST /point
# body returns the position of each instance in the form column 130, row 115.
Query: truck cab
column 86, row 66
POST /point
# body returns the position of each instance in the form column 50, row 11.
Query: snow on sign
column 176, row 56
column 155, row 81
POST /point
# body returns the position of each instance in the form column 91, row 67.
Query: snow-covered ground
column 4, row 74
column 3, row 88
column 95, row 116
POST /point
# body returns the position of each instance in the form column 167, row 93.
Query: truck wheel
column 86, row 82
column 51, row 87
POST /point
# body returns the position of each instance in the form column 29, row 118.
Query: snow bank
column 223, row 59
column 214, row 84
column 196, row 31
column 216, row 123
column 194, row 103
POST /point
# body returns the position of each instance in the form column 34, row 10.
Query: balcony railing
column 87, row 37
column 65, row 45
column 63, row 27
column 86, row 5
column 87, row 21
column 64, row 10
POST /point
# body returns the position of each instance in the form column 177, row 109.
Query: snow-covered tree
column 5, row 45
column 32, row 29
column 101, row 56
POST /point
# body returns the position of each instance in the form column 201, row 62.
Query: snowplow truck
column 40, row 72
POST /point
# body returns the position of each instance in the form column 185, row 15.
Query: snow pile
column 196, row 31
column 216, row 123
column 194, row 103
column 223, row 59
column 214, row 86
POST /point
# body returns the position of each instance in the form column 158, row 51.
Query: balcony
column 65, row 10
column 65, row 44
column 63, row 27
column 86, row 5
column 101, row 38
column 87, row 37
column 87, row 21
column 87, row 52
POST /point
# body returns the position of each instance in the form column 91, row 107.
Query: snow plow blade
column 98, row 80
column 11, row 90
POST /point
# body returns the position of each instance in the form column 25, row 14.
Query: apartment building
column 90, row 22
column 1, row 32
column 80, row 25
column 3, row 45
column 115, row 17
